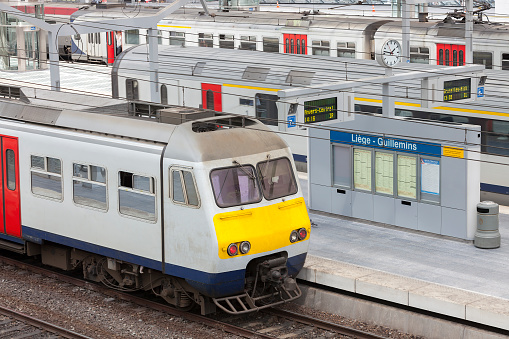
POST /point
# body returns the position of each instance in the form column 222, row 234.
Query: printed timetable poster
column 407, row 179
column 384, row 173
column 430, row 176
column 362, row 169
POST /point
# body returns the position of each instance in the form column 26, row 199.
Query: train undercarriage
column 267, row 282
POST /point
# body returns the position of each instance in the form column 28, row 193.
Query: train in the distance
column 437, row 42
column 207, row 212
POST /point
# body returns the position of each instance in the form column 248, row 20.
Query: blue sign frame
column 392, row 144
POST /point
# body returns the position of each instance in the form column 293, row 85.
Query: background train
column 207, row 212
column 243, row 82
column 309, row 33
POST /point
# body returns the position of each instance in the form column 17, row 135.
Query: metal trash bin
column 487, row 234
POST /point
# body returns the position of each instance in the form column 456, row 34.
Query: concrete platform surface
column 425, row 271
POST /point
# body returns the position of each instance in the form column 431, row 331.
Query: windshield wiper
column 243, row 169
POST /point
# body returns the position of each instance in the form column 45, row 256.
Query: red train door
column 110, row 47
column 450, row 55
column 295, row 43
column 10, row 215
column 211, row 97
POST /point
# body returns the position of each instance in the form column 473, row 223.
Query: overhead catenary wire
column 425, row 140
column 338, row 111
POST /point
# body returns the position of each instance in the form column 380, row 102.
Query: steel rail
column 136, row 300
column 325, row 325
column 26, row 319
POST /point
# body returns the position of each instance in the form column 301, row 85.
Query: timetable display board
column 320, row 110
column 362, row 169
column 407, row 176
column 457, row 89
column 384, row 173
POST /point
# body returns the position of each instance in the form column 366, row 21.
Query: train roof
column 277, row 20
column 208, row 136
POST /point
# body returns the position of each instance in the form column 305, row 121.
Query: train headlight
column 303, row 234
column 233, row 250
column 294, row 236
column 245, row 246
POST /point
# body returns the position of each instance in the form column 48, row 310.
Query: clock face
column 390, row 54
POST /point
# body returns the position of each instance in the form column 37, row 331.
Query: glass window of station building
column 22, row 45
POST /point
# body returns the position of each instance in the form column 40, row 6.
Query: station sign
column 393, row 144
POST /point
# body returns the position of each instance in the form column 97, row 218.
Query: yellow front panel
column 266, row 228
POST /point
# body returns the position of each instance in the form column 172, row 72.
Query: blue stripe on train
column 11, row 238
column 494, row 188
column 210, row 284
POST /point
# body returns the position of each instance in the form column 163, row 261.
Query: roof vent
column 299, row 77
column 198, row 68
column 255, row 73
column 179, row 115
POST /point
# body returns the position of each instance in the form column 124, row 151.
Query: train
column 198, row 207
column 251, row 84
column 435, row 42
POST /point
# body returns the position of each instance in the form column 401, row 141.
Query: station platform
column 446, row 276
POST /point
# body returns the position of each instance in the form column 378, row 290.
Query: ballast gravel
column 98, row 316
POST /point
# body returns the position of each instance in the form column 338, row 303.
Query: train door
column 10, row 215
column 450, row 55
column 211, row 97
column 295, row 43
column 110, row 46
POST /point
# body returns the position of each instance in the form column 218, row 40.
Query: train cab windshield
column 239, row 185
column 276, row 178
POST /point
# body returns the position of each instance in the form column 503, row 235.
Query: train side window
column 455, row 58
column 346, row 49
column 447, row 56
column 91, row 38
column 291, row 47
column 89, row 186
column 440, row 56
column 321, row 47
column 183, row 188
column 303, row 47
column 108, row 38
column 419, row 55
column 505, row 61
column 205, row 40
column 136, row 196
column 266, row 108
column 164, row 95
column 298, row 47
column 484, row 58
column 131, row 89
column 177, row 38
column 226, row 41
column 11, row 169
column 462, row 58
column 159, row 37
column 132, row 36
column 46, row 177
column 248, row 42
column 287, row 46
column 271, row 45
column 98, row 38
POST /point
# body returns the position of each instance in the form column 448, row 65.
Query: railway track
column 14, row 324
column 271, row 323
